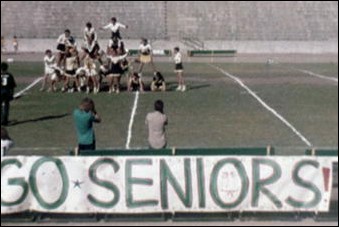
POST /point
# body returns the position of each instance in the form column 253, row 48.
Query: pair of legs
column 4, row 109
column 114, row 83
column 146, row 61
column 181, row 81
column 155, row 88
column 61, row 58
column 69, row 83
column 92, row 80
column 131, row 87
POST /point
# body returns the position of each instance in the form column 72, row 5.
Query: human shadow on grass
column 40, row 119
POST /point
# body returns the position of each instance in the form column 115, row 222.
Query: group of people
column 78, row 71
column 88, row 68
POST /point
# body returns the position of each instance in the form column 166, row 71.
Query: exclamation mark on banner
column 326, row 174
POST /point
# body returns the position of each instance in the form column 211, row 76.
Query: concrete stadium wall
column 212, row 20
column 242, row 47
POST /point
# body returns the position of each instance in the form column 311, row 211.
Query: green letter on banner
column 166, row 176
column 35, row 188
column 214, row 183
column 105, row 184
column 259, row 185
column 15, row 182
column 130, row 181
column 305, row 184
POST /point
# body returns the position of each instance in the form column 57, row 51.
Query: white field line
column 265, row 105
column 35, row 82
column 131, row 122
column 318, row 75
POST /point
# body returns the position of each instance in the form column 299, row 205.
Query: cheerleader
column 179, row 69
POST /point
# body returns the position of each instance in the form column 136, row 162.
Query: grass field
column 215, row 112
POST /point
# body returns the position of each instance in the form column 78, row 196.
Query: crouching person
column 158, row 83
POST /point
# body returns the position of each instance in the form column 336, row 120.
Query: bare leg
column 44, row 83
column 141, row 67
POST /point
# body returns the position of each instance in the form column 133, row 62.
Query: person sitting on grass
column 84, row 117
column 6, row 142
column 158, row 83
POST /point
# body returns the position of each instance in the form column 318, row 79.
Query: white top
column 62, row 39
column 65, row 40
column 178, row 58
column 145, row 49
column 49, row 62
column 5, row 146
column 156, row 123
column 72, row 63
column 114, row 27
column 116, row 59
column 89, row 33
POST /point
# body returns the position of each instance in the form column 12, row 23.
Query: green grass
column 215, row 112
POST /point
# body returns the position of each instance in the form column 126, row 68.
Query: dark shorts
column 116, row 35
column 61, row 47
column 90, row 147
column 71, row 72
column 93, row 53
column 179, row 66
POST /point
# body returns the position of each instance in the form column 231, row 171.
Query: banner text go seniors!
column 165, row 184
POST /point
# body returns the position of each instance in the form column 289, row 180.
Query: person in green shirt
column 84, row 117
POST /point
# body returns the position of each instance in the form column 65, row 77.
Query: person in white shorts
column 50, row 63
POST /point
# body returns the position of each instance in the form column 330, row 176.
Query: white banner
column 165, row 184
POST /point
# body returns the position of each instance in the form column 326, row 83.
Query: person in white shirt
column 50, row 64
column 89, row 72
column 6, row 142
column 179, row 69
column 145, row 55
column 114, row 76
column 90, row 33
column 71, row 67
column 114, row 27
column 65, row 42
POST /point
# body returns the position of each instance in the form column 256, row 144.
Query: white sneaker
column 183, row 89
column 179, row 88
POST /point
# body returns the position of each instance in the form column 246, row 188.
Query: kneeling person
column 158, row 83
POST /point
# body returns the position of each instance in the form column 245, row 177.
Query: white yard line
column 131, row 122
column 35, row 82
column 318, row 75
column 270, row 109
